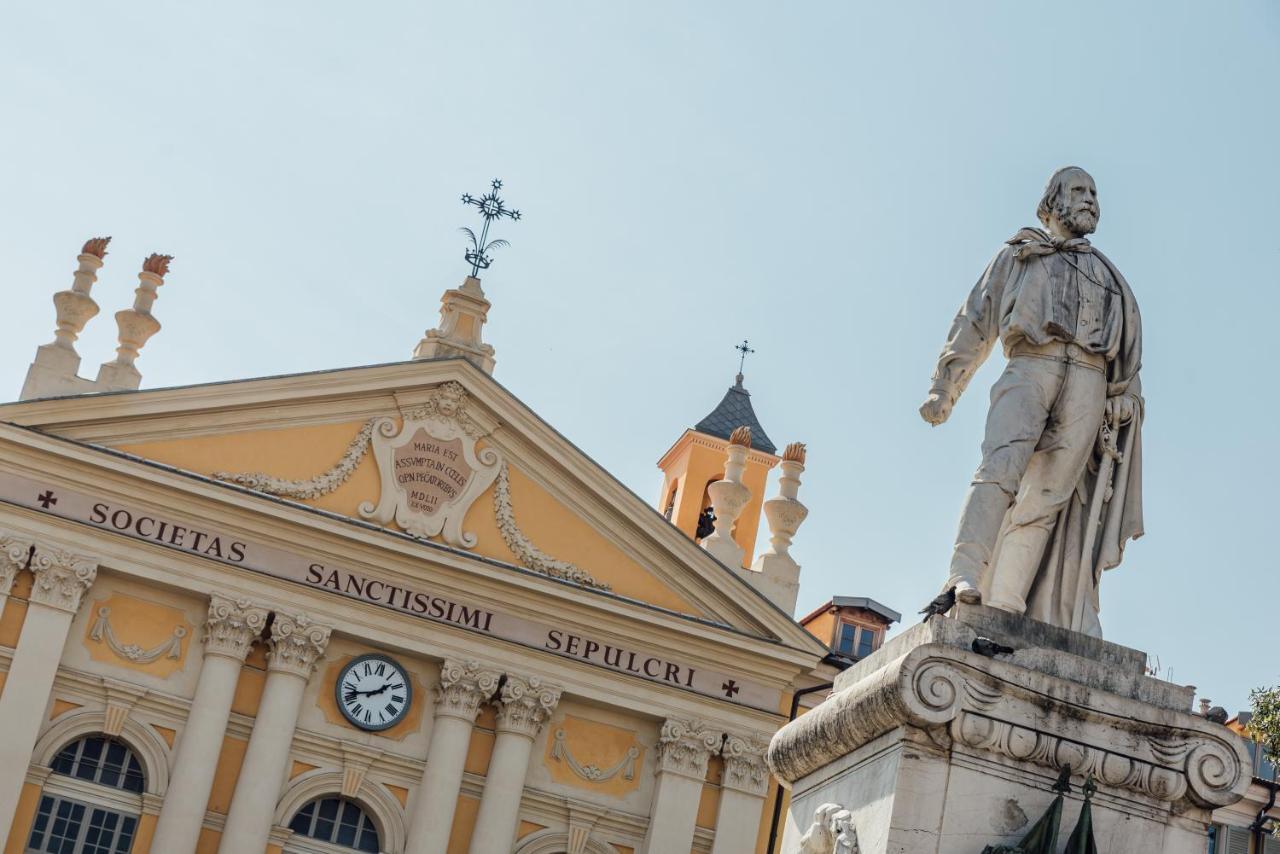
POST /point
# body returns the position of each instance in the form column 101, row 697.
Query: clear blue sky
column 827, row 179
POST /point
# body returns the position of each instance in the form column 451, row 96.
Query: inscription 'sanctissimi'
column 407, row 596
column 431, row 472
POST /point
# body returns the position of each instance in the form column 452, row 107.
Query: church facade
column 384, row 608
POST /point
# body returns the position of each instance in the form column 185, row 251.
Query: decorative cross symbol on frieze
column 46, row 499
column 730, row 688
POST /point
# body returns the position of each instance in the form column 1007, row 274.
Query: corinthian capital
column 61, row 577
column 525, row 704
column 464, row 685
column 744, row 765
column 231, row 627
column 14, row 552
column 685, row 746
column 296, row 642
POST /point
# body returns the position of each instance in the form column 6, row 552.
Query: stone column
column 683, row 750
column 742, row 793
column 524, row 705
column 14, row 554
column 230, row 630
column 296, row 642
column 464, row 685
column 61, row 578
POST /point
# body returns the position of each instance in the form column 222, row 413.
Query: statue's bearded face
column 1077, row 203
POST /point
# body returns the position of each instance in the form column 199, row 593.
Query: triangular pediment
column 434, row 449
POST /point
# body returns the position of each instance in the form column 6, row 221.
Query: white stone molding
column 744, row 767
column 145, row 742
column 381, row 805
column 102, row 632
column 120, row 698
column 61, row 578
column 314, row 487
column 15, row 551
column 463, row 687
column 685, row 746
column 232, row 626
column 576, row 841
column 461, row 472
column 593, row 773
column 992, row 707
column 529, row 555
column 525, row 703
column 356, row 761
column 296, row 644
column 454, row 338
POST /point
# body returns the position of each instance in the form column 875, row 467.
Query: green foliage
column 1265, row 725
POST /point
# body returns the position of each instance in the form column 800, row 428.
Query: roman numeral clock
column 374, row 692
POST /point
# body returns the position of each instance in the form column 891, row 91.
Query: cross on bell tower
column 744, row 349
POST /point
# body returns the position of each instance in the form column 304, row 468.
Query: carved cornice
column 232, row 626
column 464, row 686
column 61, row 578
column 744, row 767
column 14, row 553
column 525, row 703
column 685, row 746
column 296, row 643
column 525, row 551
column 982, row 706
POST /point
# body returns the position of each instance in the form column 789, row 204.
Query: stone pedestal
column 939, row 744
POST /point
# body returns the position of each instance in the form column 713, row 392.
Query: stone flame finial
column 779, row 573
column 136, row 326
column 728, row 498
column 156, row 263
column 794, row 453
column 95, row 246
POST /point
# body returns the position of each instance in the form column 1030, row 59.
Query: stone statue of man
column 1059, row 488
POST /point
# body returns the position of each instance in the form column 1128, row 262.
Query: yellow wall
column 28, row 801
column 299, row 453
column 15, row 609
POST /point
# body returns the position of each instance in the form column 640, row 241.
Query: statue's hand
column 1121, row 408
column 936, row 408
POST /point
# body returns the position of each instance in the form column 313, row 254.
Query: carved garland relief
column 432, row 472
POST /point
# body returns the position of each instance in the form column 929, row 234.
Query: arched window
column 338, row 821
column 91, row 801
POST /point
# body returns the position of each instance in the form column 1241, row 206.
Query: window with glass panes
column 855, row 640
column 339, row 821
column 79, row 823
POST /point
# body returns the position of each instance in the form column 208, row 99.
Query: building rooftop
column 863, row 602
column 734, row 411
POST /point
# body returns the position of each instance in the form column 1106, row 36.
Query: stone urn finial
column 785, row 512
column 136, row 325
column 75, row 307
column 728, row 498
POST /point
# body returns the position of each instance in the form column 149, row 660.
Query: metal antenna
column 491, row 207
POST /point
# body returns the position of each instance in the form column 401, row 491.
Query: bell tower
column 698, row 459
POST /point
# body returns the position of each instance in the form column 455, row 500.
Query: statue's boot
column 985, row 506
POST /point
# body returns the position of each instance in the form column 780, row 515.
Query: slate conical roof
column 735, row 411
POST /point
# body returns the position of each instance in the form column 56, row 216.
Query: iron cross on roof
column 745, row 349
column 491, row 207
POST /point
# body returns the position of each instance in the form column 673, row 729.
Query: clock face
column 374, row 692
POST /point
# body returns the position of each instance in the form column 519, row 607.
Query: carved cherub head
column 1069, row 206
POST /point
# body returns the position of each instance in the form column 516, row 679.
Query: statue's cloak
column 1063, row 576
